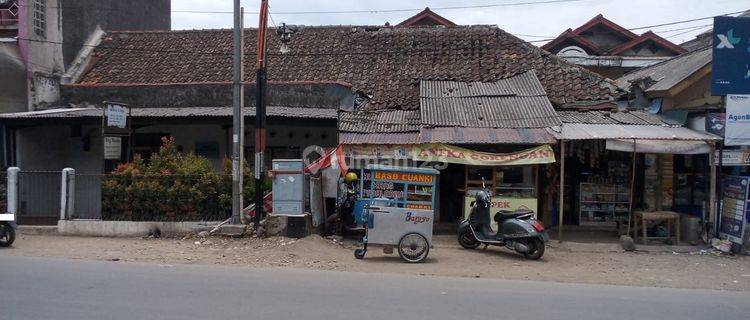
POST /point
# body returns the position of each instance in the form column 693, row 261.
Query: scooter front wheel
column 467, row 240
column 536, row 249
column 7, row 235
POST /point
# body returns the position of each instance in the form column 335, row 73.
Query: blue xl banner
column 730, row 72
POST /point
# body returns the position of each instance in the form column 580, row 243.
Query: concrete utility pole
column 260, row 109
column 238, row 132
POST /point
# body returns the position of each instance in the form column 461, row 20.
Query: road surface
column 42, row 288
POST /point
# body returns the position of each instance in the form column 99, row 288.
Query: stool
column 642, row 218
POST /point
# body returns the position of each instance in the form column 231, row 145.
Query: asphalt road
column 38, row 288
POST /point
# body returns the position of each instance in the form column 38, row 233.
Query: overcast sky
column 530, row 22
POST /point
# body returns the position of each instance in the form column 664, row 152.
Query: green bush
column 171, row 187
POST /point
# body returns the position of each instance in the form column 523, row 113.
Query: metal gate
column 39, row 197
column 88, row 196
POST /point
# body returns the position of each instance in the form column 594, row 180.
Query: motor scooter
column 7, row 229
column 517, row 230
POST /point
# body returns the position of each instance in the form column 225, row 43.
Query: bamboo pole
column 632, row 188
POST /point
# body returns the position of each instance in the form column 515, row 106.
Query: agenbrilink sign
column 730, row 72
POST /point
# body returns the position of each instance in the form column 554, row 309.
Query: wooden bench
column 642, row 218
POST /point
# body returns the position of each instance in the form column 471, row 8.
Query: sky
column 530, row 22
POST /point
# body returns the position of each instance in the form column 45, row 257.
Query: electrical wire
column 661, row 25
column 512, row 4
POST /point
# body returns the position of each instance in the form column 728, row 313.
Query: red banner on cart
column 452, row 154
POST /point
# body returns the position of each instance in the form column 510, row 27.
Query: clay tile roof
column 386, row 63
column 427, row 16
column 633, row 39
column 601, row 20
column 650, row 35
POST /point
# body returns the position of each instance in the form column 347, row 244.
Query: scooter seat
column 503, row 215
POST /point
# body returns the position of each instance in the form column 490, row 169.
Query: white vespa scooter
column 7, row 229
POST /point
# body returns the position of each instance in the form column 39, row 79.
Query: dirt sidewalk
column 314, row 252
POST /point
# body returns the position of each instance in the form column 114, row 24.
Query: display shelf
column 603, row 204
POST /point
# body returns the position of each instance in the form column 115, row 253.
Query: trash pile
column 718, row 247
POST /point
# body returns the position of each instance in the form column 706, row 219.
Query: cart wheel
column 359, row 253
column 413, row 248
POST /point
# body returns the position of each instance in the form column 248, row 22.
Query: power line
column 424, row 50
column 688, row 31
column 661, row 25
column 685, row 21
column 513, row 4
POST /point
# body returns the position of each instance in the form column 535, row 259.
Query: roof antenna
column 285, row 34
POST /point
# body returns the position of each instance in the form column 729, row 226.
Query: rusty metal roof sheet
column 633, row 117
column 515, row 102
column 668, row 74
column 380, row 121
column 379, row 138
column 525, row 84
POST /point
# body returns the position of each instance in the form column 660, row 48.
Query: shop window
column 40, row 18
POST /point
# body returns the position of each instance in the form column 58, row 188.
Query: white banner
column 112, row 148
column 738, row 120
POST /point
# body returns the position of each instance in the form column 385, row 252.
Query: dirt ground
column 446, row 259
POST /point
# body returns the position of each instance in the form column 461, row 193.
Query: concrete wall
column 80, row 18
column 97, row 228
column 12, row 79
column 42, row 53
column 310, row 95
column 53, row 148
column 603, row 37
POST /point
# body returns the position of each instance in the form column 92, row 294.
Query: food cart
column 400, row 211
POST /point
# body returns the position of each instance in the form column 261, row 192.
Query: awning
column 438, row 152
column 584, row 131
column 659, row 146
column 461, row 135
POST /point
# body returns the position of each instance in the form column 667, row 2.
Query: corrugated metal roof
column 525, row 84
column 486, row 136
column 186, row 112
column 585, row 131
column 669, row 73
column 380, row 121
column 633, row 117
column 516, row 102
column 379, row 138
column 490, row 112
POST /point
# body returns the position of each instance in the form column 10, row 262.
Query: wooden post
column 632, row 188
column 712, row 214
column 560, row 205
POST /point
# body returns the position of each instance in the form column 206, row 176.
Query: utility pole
column 260, row 109
column 238, row 132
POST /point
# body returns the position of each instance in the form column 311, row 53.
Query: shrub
column 172, row 186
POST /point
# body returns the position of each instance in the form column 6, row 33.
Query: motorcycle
column 517, row 230
column 7, row 229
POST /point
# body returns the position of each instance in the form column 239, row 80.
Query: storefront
column 613, row 170
column 513, row 177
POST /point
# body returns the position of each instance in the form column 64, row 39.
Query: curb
column 38, row 230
